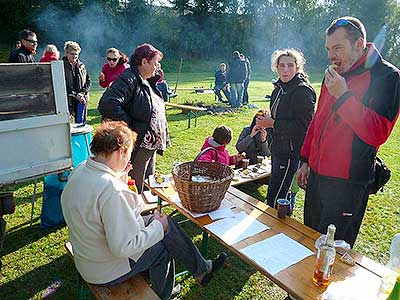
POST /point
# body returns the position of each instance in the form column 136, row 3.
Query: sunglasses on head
column 112, row 59
column 345, row 22
column 32, row 41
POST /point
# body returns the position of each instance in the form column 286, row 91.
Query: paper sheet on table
column 237, row 228
column 150, row 198
column 276, row 253
column 221, row 213
column 225, row 204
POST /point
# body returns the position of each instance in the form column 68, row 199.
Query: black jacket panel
column 128, row 99
column 292, row 107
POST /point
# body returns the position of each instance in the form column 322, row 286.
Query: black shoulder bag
column 381, row 176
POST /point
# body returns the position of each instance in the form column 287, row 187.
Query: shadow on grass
column 37, row 280
column 253, row 190
column 227, row 283
column 16, row 239
column 94, row 115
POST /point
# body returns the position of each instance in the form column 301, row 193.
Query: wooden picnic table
column 296, row 279
column 240, row 179
column 191, row 111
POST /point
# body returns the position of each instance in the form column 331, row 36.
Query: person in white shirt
column 111, row 240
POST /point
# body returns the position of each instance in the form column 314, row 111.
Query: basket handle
column 197, row 158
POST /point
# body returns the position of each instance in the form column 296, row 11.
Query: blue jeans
column 224, row 88
column 164, row 89
column 236, row 94
column 160, row 260
column 283, row 170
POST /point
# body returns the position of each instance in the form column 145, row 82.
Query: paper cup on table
column 283, row 208
column 245, row 163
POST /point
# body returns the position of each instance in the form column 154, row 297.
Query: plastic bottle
column 325, row 259
column 392, row 272
column 132, row 185
column 395, row 294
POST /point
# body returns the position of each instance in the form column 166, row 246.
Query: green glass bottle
column 395, row 294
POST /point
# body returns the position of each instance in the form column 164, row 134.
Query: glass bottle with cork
column 395, row 294
column 325, row 259
column 390, row 277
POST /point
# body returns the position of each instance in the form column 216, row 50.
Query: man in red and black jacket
column 357, row 110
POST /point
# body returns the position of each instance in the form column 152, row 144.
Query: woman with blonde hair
column 115, row 65
column 77, row 82
column 292, row 108
column 50, row 53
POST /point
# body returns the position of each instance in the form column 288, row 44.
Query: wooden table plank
column 295, row 279
column 361, row 260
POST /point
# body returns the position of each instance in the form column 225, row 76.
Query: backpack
column 381, row 176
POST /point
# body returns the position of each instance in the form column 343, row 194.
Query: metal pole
column 178, row 76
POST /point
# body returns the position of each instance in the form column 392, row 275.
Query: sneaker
column 216, row 265
column 172, row 95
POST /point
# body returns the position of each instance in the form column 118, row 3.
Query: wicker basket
column 207, row 196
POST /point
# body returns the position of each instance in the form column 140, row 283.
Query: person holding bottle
column 111, row 241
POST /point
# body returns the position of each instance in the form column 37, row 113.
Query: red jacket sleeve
column 373, row 123
column 104, row 83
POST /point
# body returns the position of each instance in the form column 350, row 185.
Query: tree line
column 200, row 29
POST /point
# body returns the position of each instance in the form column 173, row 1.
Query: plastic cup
column 260, row 159
column 283, row 208
column 245, row 163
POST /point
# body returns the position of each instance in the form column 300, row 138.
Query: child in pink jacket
column 221, row 137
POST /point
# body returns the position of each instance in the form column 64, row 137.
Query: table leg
column 189, row 113
column 204, row 244
column 159, row 204
column 3, row 224
column 33, row 201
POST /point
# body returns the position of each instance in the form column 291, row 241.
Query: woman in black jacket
column 134, row 98
column 292, row 108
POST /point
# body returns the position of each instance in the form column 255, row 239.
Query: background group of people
column 77, row 77
column 336, row 147
column 233, row 80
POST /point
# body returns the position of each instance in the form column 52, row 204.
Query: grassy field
column 33, row 258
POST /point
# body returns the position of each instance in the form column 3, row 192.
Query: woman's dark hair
column 123, row 59
column 146, row 51
column 222, row 135
column 112, row 136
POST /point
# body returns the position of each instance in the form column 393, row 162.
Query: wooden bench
column 151, row 207
column 135, row 288
column 189, row 109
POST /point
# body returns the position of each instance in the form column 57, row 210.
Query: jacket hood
column 210, row 142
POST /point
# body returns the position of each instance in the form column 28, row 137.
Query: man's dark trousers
column 334, row 201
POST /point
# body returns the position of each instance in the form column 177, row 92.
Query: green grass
column 32, row 258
